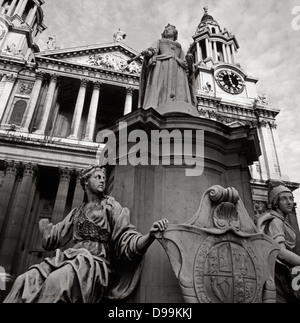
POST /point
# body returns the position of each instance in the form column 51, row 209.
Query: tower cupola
column 21, row 24
column 211, row 43
column 208, row 23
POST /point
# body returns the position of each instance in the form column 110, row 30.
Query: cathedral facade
column 54, row 102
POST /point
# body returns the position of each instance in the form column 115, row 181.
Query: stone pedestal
column 153, row 192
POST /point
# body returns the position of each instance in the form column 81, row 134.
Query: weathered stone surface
column 218, row 256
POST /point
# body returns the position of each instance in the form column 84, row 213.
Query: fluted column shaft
column 91, row 122
column 48, row 105
column 128, row 101
column 16, row 218
column 32, row 103
column 62, row 194
column 12, row 169
column 78, row 110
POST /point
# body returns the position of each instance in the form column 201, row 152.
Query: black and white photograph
column 149, row 154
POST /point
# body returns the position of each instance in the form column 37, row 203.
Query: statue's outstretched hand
column 160, row 225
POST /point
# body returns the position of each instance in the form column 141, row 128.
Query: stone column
column 199, row 53
column 207, row 48
column 21, row 7
column 228, row 54
column 12, row 169
column 32, row 102
column 48, row 105
column 16, row 218
column 91, row 122
column 11, row 8
column 214, row 47
column 224, row 53
column 128, row 101
column 79, row 192
column 61, row 195
column 78, row 110
column 8, row 87
column 31, row 15
column 233, row 54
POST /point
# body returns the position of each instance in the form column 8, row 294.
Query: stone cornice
column 87, row 50
column 77, row 154
column 72, row 70
column 230, row 108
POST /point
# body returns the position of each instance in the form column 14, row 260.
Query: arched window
column 213, row 30
column 18, row 112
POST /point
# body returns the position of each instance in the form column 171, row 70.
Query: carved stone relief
column 25, row 88
column 219, row 256
column 12, row 50
column 114, row 62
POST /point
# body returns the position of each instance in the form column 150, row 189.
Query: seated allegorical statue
column 166, row 73
column 105, row 261
column 274, row 224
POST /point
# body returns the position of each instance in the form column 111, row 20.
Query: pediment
column 112, row 57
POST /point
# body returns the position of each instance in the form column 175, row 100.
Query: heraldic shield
column 219, row 256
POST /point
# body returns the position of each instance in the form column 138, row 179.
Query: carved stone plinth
column 157, row 190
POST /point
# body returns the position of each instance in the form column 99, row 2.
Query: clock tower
column 227, row 93
column 219, row 74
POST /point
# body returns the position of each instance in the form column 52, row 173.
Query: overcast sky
column 268, row 33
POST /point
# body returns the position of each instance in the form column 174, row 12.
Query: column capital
column 65, row 173
column 40, row 75
column 11, row 78
column 97, row 85
column 262, row 123
column 54, row 78
column 129, row 90
column 273, row 125
column 30, row 170
column 84, row 82
column 12, row 167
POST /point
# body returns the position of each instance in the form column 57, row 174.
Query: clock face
column 230, row 81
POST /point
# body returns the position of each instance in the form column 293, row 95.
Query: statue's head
column 91, row 172
column 280, row 197
column 170, row 32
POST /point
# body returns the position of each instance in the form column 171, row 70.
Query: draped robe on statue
column 274, row 225
column 104, row 260
column 164, row 76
